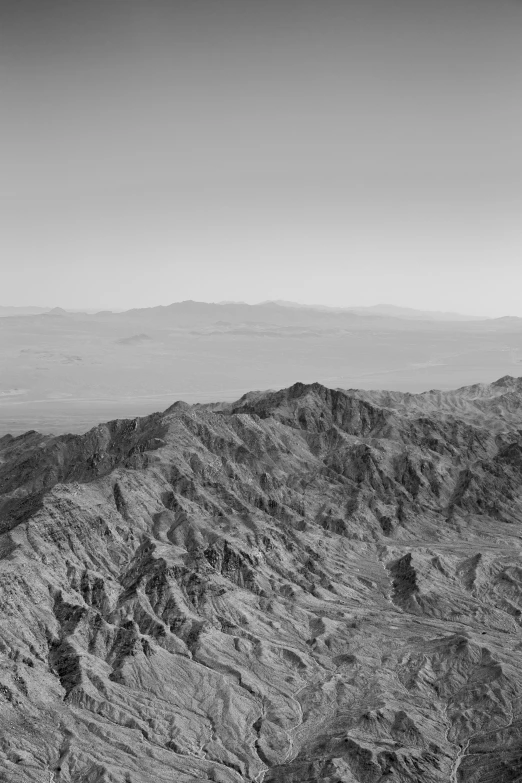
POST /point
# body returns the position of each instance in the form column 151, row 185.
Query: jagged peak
column 507, row 381
column 177, row 406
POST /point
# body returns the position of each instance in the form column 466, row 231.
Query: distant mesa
column 57, row 311
column 135, row 339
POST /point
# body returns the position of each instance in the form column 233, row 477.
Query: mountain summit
column 311, row 584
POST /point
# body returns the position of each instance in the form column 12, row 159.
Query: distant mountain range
column 386, row 310
column 8, row 310
column 379, row 310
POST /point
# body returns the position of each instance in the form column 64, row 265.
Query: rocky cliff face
column 306, row 585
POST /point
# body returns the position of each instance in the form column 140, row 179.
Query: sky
column 342, row 152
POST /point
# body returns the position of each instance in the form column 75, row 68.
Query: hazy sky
column 343, row 152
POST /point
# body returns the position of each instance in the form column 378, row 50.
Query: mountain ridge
column 310, row 584
column 191, row 306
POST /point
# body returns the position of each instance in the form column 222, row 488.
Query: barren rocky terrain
column 309, row 585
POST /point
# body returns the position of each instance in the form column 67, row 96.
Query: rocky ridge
column 304, row 585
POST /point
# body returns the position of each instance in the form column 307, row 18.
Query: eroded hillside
column 306, row 585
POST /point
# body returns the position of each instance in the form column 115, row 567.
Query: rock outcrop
column 308, row 585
